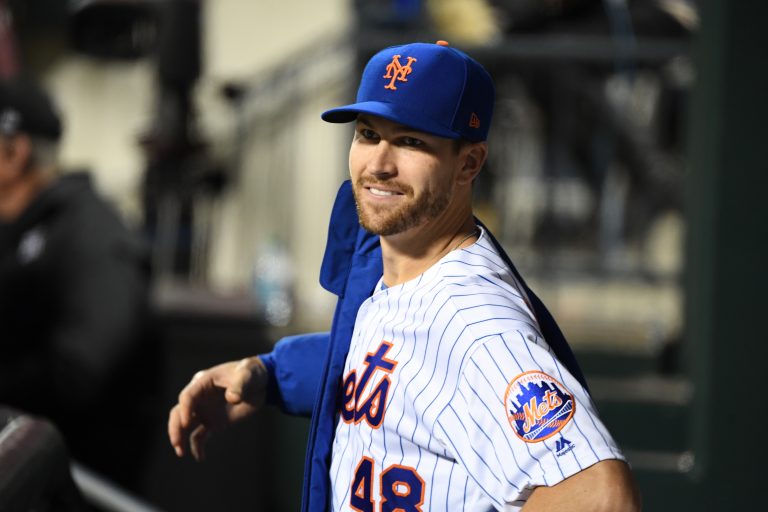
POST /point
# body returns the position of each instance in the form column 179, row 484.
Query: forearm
column 604, row 487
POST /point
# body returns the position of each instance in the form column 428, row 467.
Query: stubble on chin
column 385, row 221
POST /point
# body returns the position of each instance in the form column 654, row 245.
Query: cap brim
column 411, row 119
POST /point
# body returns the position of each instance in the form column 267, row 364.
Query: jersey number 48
column 402, row 489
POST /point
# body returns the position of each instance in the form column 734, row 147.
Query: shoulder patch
column 538, row 406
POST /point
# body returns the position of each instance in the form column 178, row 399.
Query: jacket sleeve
column 100, row 331
column 295, row 367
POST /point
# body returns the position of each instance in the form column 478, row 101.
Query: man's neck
column 409, row 254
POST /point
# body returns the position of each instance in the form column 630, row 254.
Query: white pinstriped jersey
column 453, row 401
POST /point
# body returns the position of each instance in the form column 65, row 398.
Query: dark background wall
column 726, row 253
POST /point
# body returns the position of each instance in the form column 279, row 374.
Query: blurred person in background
column 73, row 295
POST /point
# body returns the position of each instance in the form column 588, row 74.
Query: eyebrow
column 364, row 121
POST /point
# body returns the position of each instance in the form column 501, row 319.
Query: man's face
column 14, row 162
column 401, row 178
column 7, row 167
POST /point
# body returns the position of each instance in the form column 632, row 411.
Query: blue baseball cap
column 431, row 88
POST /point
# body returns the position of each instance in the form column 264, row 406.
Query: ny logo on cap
column 397, row 71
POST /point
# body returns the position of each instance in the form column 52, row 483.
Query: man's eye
column 368, row 134
column 412, row 141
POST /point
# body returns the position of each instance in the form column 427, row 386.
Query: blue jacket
column 351, row 268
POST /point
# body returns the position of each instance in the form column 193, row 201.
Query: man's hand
column 214, row 399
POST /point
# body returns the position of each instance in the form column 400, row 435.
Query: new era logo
column 474, row 121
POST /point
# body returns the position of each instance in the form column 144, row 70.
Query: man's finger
column 188, row 398
column 176, row 433
column 197, row 441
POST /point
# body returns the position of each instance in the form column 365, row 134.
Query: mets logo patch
column 538, row 406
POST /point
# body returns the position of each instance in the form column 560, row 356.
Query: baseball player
column 446, row 384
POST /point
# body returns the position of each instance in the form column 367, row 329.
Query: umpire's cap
column 26, row 108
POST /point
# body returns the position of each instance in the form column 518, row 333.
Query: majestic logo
column 397, row 72
column 563, row 446
column 474, row 121
column 538, row 406
column 354, row 407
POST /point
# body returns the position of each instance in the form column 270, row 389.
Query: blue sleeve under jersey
column 295, row 367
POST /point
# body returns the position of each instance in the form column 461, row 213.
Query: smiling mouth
column 383, row 193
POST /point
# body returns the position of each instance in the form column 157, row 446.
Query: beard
column 383, row 220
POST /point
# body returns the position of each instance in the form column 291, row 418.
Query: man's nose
column 382, row 161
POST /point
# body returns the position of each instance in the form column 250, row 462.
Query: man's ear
column 473, row 156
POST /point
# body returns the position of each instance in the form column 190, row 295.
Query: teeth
column 377, row 192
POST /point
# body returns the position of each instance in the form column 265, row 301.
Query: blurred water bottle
column 273, row 283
